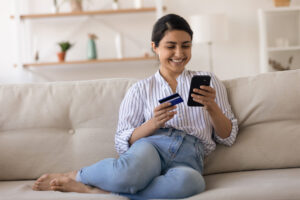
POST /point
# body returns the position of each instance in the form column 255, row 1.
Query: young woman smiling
column 161, row 147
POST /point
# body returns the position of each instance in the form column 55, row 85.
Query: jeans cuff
column 78, row 179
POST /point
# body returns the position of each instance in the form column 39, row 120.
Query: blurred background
column 111, row 39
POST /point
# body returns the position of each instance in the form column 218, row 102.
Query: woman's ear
column 154, row 48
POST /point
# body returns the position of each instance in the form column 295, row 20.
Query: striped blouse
column 140, row 100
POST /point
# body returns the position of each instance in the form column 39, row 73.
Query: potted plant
column 279, row 3
column 64, row 46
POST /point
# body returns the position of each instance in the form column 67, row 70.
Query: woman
column 161, row 146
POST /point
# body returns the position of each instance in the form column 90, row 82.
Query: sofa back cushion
column 267, row 107
column 57, row 127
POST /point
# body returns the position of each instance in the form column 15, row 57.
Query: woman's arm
column 132, row 125
column 222, row 125
column 162, row 113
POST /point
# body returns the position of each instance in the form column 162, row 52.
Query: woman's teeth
column 177, row 61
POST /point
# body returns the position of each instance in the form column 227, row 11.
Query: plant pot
column 61, row 56
column 279, row 3
column 76, row 5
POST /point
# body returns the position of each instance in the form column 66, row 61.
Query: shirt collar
column 161, row 80
column 180, row 77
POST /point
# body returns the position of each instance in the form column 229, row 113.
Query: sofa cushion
column 276, row 184
column 267, row 107
column 21, row 190
column 57, row 127
column 265, row 184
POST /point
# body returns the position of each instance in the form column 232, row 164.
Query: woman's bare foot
column 43, row 183
column 67, row 184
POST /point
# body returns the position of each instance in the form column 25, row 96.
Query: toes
column 42, row 178
column 34, row 187
column 37, row 183
column 60, row 181
column 57, row 188
column 54, row 182
column 38, row 187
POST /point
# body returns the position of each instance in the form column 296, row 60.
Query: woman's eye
column 186, row 46
column 170, row 47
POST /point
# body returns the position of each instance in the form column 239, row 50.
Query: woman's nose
column 179, row 52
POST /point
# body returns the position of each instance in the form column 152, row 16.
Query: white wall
column 7, row 73
column 234, row 58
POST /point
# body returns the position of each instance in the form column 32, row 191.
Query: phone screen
column 196, row 82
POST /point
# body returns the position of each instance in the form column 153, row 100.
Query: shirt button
column 71, row 131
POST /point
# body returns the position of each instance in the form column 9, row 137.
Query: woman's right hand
column 163, row 113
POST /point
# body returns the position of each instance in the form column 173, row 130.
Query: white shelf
column 279, row 27
column 278, row 49
column 86, row 13
column 281, row 9
column 22, row 23
column 96, row 61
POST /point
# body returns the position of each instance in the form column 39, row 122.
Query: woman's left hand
column 205, row 95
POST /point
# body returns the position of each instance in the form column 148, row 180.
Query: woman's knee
column 190, row 181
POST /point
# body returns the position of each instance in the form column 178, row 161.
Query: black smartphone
column 196, row 82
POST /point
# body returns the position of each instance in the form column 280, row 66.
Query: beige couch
column 58, row 127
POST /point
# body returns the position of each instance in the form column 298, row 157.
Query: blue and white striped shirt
column 140, row 100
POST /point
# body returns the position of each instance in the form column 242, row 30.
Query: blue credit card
column 173, row 99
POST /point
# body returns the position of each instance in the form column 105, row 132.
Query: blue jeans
column 168, row 164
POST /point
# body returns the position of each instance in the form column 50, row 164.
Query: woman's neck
column 170, row 78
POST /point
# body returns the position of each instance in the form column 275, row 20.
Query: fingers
column 203, row 99
column 206, row 91
column 198, row 98
column 162, row 106
column 163, row 111
column 205, row 95
column 166, row 116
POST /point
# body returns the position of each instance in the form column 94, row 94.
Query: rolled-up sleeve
column 222, row 101
column 131, row 116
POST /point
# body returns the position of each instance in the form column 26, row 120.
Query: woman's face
column 174, row 51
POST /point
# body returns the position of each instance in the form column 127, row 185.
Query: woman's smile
column 177, row 62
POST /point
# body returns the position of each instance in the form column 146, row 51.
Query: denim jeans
column 166, row 165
